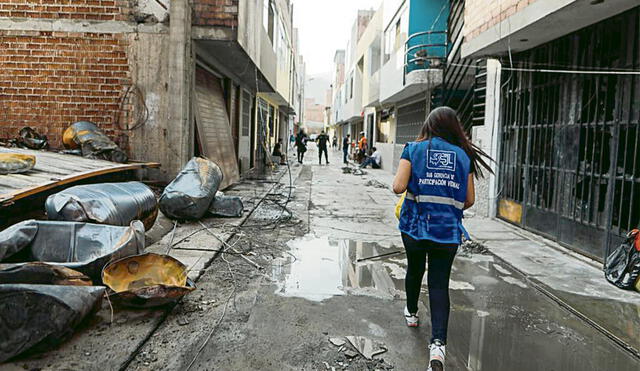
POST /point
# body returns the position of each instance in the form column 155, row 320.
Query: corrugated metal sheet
column 214, row 130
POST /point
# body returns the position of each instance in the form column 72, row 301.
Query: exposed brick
column 67, row 9
column 217, row 13
column 48, row 80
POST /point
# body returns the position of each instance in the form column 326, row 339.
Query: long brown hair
column 443, row 122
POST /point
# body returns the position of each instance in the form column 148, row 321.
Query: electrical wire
column 574, row 71
column 139, row 106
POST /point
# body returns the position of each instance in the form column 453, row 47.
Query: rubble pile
column 54, row 273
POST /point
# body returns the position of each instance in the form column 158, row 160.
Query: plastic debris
column 191, row 193
column 93, row 142
column 147, row 280
column 12, row 163
column 38, row 273
column 622, row 265
column 84, row 247
column 108, row 203
column 40, row 316
column 226, row 206
column 29, row 138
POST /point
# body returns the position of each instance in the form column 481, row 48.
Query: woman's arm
column 471, row 193
column 402, row 176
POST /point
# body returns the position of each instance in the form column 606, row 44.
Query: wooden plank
column 26, row 192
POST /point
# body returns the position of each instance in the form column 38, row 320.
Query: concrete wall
column 487, row 138
column 392, row 71
column 149, row 71
column 369, row 37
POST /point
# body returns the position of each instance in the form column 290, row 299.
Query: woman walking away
column 437, row 173
column 301, row 145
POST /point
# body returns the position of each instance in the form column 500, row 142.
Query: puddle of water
column 323, row 268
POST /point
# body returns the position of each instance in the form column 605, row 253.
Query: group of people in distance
column 362, row 154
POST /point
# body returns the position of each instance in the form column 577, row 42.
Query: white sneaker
column 436, row 356
column 411, row 318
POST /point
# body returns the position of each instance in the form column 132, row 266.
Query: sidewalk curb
column 548, row 292
column 169, row 310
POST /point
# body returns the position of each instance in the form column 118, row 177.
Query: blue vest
column 436, row 192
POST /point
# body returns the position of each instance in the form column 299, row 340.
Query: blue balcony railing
column 426, row 50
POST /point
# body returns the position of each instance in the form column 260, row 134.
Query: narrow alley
column 330, row 185
column 326, row 261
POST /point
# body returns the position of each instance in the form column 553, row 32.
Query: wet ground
column 341, row 272
column 332, row 265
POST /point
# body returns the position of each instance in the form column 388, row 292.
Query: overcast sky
column 325, row 25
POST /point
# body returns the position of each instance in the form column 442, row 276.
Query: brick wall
column 220, row 13
column 49, row 80
column 480, row 15
column 67, row 9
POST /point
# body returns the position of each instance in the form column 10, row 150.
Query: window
column 271, row 15
column 282, row 49
column 272, row 114
column 397, row 34
column 265, row 14
column 351, row 87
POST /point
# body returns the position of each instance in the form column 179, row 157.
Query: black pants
column 326, row 154
column 301, row 152
column 440, row 261
column 345, row 155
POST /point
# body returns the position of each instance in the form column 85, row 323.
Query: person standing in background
column 301, row 145
column 346, row 142
column 323, row 142
column 362, row 147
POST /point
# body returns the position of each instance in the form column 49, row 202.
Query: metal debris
column 147, row 280
column 107, row 203
column 14, row 163
column 38, row 273
column 226, row 206
column 40, row 316
column 92, row 142
column 29, row 138
column 191, row 193
column 84, row 247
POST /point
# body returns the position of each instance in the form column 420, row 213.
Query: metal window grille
column 570, row 155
